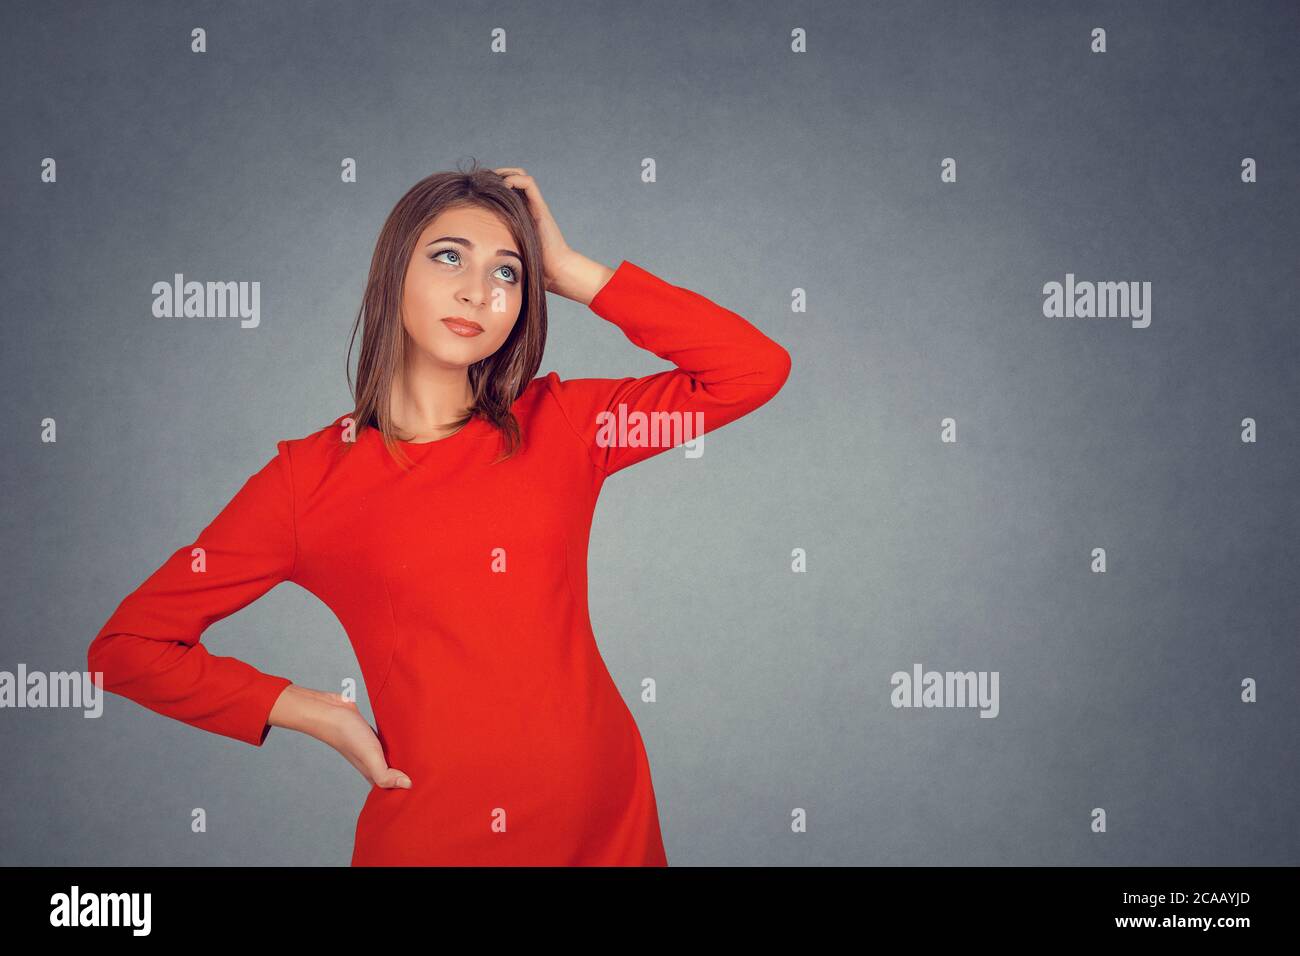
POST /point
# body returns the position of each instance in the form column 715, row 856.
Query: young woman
column 445, row 521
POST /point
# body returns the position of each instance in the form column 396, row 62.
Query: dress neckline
column 474, row 419
column 476, row 427
column 421, row 450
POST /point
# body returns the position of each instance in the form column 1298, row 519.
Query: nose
column 473, row 292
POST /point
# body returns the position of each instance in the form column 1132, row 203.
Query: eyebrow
column 466, row 242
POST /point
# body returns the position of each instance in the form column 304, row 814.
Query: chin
column 458, row 358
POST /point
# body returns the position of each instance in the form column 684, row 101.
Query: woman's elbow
column 100, row 659
column 111, row 660
column 771, row 373
column 780, row 369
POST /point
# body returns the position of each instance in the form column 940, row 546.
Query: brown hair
column 496, row 380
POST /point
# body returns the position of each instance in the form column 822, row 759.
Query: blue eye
column 514, row 279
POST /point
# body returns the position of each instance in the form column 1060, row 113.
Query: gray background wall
column 776, row 171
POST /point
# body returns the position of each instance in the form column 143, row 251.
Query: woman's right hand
column 335, row 720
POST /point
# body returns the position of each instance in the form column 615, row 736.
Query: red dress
column 462, row 586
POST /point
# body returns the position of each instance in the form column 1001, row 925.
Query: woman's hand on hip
column 336, row 721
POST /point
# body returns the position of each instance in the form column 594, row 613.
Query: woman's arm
column 149, row 650
column 724, row 366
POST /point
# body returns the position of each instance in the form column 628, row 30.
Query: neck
column 427, row 399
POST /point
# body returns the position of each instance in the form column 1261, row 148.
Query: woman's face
column 465, row 266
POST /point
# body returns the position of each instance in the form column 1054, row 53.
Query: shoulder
column 310, row 455
column 577, row 399
column 322, row 439
column 577, row 393
column 546, row 392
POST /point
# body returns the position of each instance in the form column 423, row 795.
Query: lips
column 462, row 326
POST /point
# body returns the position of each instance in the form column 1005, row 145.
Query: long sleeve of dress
column 149, row 649
column 725, row 367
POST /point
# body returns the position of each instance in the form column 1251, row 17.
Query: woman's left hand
column 566, row 272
